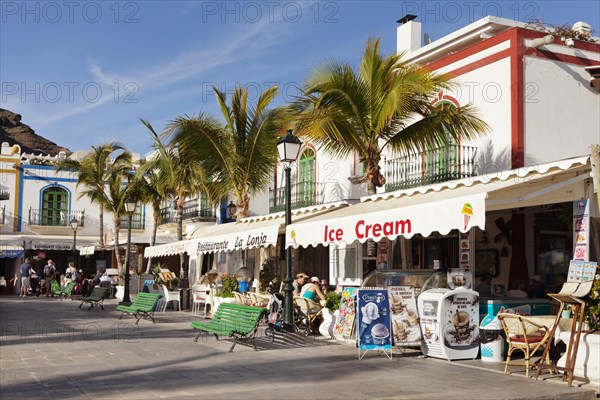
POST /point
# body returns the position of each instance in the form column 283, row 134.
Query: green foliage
column 333, row 301
column 592, row 310
column 268, row 276
column 230, row 285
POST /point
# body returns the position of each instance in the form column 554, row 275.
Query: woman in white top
column 71, row 273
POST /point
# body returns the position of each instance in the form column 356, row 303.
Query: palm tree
column 148, row 189
column 116, row 195
column 178, row 174
column 238, row 155
column 386, row 103
column 94, row 170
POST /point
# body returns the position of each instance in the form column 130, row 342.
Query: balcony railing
column 137, row 222
column 433, row 166
column 51, row 217
column 192, row 209
column 304, row 194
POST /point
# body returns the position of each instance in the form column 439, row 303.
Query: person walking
column 49, row 274
column 25, row 271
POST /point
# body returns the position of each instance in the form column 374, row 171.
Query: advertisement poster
column 382, row 250
column 459, row 277
column 464, row 249
column 406, row 330
column 430, row 322
column 373, row 319
column 461, row 329
column 581, row 230
column 344, row 323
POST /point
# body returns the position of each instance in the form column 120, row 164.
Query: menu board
column 344, row 324
column 405, row 321
column 581, row 231
column 373, row 319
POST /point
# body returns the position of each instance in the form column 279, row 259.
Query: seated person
column 96, row 279
column 518, row 292
column 536, row 290
column 300, row 280
column 485, row 285
column 312, row 290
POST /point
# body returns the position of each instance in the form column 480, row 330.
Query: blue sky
column 82, row 73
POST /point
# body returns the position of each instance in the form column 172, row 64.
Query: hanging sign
column 581, row 230
column 344, row 323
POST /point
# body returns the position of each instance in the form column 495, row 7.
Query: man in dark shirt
column 25, row 271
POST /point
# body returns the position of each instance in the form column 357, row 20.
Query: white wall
column 562, row 111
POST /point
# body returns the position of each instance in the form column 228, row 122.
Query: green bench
column 96, row 298
column 235, row 321
column 66, row 292
column 142, row 307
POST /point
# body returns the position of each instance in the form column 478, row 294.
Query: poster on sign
column 344, row 323
column 406, row 330
column 373, row 321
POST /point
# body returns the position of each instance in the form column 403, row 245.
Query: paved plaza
column 51, row 349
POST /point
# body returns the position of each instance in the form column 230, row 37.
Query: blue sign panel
column 373, row 319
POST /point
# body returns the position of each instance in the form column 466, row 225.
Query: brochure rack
column 578, row 285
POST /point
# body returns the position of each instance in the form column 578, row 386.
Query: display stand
column 373, row 329
column 578, row 285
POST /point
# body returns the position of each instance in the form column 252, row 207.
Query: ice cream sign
column 348, row 225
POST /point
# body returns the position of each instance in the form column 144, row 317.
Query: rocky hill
column 13, row 131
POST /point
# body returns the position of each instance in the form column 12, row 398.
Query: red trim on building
column 517, row 121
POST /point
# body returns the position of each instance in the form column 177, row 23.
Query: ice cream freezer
column 492, row 306
column 450, row 323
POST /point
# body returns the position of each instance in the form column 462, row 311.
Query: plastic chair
column 170, row 297
column 200, row 295
column 259, row 300
column 525, row 335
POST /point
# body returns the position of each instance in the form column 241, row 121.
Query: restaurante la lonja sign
column 234, row 243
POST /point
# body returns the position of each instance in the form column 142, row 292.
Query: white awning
column 251, row 232
column 168, row 249
column 11, row 251
column 442, row 209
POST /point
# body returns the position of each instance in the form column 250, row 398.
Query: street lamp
column 74, row 225
column 129, row 209
column 288, row 147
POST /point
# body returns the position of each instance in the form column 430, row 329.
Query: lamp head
column 231, row 209
column 288, row 147
column 129, row 204
column 74, row 223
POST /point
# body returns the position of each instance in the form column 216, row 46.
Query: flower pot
column 329, row 318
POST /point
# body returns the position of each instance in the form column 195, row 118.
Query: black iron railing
column 304, row 194
column 53, row 217
column 438, row 165
column 195, row 208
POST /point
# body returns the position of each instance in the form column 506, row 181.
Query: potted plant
column 229, row 285
column 330, row 313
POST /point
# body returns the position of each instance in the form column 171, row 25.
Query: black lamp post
column 74, row 225
column 288, row 147
column 129, row 209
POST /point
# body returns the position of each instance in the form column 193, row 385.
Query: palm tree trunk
column 117, row 255
column 182, row 264
column 153, row 239
column 101, row 217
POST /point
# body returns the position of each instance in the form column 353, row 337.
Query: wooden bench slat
column 142, row 307
column 237, row 321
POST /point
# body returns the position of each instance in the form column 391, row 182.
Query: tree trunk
column 183, row 273
column 101, row 218
column 153, row 240
column 117, row 231
column 374, row 177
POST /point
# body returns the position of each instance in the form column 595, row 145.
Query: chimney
column 408, row 34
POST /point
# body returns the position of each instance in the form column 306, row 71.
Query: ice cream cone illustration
column 293, row 234
column 467, row 211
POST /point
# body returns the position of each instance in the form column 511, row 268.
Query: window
column 442, row 162
column 306, row 178
column 55, row 207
